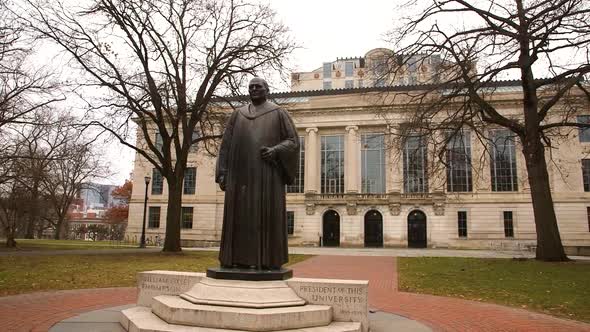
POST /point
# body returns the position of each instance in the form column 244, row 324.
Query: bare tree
column 544, row 44
column 161, row 63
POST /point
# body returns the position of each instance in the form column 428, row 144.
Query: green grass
column 25, row 274
column 561, row 289
column 28, row 245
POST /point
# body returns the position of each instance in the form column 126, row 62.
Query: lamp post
column 142, row 241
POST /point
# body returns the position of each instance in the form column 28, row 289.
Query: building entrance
column 331, row 229
column 373, row 229
column 417, row 229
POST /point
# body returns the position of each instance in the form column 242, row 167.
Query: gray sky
column 325, row 30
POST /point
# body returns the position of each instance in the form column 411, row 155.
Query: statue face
column 258, row 89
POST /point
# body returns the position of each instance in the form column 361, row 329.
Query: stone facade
column 350, row 113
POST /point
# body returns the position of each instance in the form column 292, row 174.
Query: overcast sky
column 324, row 29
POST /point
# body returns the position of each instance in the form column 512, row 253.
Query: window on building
column 195, row 135
column 508, row 224
column 327, row 70
column 290, row 222
column 349, row 84
column 586, row 173
column 159, row 143
column 327, row 85
column 187, row 217
column 298, row 183
column 459, row 162
column 348, row 68
column 415, row 172
column 190, row 180
column 588, row 217
column 462, row 223
column 332, row 164
column 584, row 132
column 372, row 163
column 361, row 83
column 503, row 161
column 154, row 217
column 157, row 182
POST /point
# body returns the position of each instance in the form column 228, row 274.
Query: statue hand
column 222, row 182
column 268, row 154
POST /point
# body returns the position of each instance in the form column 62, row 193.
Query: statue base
column 248, row 274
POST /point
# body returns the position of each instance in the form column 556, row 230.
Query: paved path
column 39, row 311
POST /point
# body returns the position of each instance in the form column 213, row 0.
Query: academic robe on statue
column 254, row 218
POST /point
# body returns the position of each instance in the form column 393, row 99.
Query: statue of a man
column 257, row 158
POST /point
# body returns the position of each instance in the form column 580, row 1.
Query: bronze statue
column 257, row 158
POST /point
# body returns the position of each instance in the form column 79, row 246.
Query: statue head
column 258, row 90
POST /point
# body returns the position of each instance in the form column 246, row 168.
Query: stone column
column 311, row 161
column 352, row 160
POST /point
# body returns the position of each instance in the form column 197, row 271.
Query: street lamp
column 147, row 183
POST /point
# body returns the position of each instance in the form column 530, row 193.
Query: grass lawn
column 560, row 289
column 25, row 274
column 36, row 244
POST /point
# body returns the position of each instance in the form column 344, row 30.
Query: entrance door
column 373, row 229
column 417, row 229
column 331, row 229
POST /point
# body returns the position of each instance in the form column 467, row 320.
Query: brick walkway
column 39, row 311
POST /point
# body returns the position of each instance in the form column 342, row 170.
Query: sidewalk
column 39, row 311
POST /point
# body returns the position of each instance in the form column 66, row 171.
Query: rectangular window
column 187, row 217
column 154, row 217
column 327, row 70
column 332, row 164
column 503, row 161
column 298, row 183
column 588, row 217
column 195, row 136
column 290, row 222
column 373, row 163
column 327, row 85
column 584, row 132
column 508, row 224
column 586, row 173
column 462, row 223
column 157, row 182
column 459, row 162
column 349, row 84
column 415, row 161
column 159, row 143
column 348, row 69
column 190, row 180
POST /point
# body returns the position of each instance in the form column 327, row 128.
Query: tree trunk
column 33, row 213
column 10, row 241
column 172, row 241
column 549, row 246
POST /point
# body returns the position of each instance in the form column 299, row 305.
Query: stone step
column 141, row 319
column 175, row 310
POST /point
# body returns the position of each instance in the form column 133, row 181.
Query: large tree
column 543, row 44
column 160, row 63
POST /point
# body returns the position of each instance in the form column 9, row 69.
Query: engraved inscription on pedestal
column 348, row 298
column 154, row 283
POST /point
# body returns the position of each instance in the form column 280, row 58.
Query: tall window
column 157, row 182
column 348, row 68
column 154, row 217
column 584, row 132
column 586, row 173
column 373, row 163
column 462, row 223
column 159, row 142
column 195, row 135
column 186, row 216
column 508, row 224
column 415, row 173
column 503, row 161
column 459, row 162
column 298, row 183
column 190, row 180
column 290, row 222
column 327, row 70
column 332, row 163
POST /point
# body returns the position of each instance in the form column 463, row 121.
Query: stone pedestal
column 248, row 274
column 190, row 302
